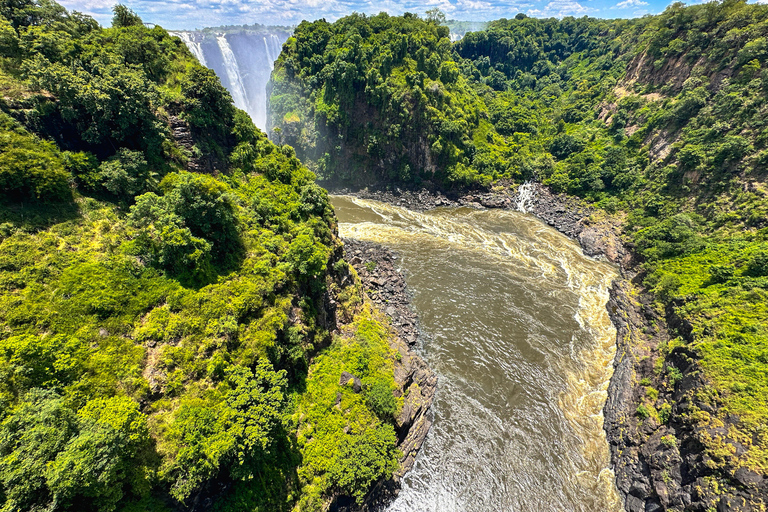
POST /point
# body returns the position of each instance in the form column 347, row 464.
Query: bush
column 565, row 145
column 362, row 459
column 757, row 265
column 208, row 105
column 665, row 411
column 126, row 174
column 380, row 400
column 667, row 287
column 721, row 273
column 30, row 169
column 668, row 441
column 674, row 236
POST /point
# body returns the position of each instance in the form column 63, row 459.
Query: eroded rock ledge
column 417, row 383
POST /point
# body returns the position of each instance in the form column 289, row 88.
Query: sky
column 191, row 14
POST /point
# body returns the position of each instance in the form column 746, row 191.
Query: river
column 513, row 321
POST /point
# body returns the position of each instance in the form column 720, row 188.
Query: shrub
column 674, row 375
column 668, row 441
column 757, row 265
column 643, row 412
column 721, row 273
column 362, row 459
column 564, row 145
column 674, row 236
column 125, row 174
column 667, row 287
column 380, row 400
column 30, row 169
column 665, row 411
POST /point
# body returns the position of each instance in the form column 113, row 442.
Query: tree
column 105, row 459
column 125, row 17
column 362, row 459
column 234, row 435
column 435, row 16
column 30, row 439
column 28, row 361
column 125, row 174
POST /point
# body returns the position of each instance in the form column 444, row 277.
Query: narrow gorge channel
column 513, row 321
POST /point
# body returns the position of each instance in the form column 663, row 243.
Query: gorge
column 196, row 315
column 513, row 321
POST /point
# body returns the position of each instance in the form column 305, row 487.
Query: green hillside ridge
column 658, row 121
column 164, row 336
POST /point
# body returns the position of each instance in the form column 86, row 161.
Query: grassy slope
column 173, row 321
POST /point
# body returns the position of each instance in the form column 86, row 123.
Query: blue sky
column 189, row 14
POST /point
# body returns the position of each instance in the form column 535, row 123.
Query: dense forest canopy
column 165, row 275
column 659, row 122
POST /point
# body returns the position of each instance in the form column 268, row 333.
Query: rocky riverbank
column 385, row 287
column 658, row 462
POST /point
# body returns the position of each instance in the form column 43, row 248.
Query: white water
column 233, row 73
column 243, row 60
column 194, row 46
column 525, row 196
column 272, row 46
column 513, row 321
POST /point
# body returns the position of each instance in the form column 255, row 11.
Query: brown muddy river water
column 514, row 323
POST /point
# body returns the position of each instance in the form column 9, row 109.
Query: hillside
column 175, row 311
column 657, row 122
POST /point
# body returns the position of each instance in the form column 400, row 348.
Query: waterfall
column 271, row 56
column 194, row 46
column 233, row 72
column 525, row 196
column 243, row 58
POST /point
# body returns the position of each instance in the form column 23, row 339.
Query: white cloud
column 189, row 14
column 626, row 4
column 560, row 9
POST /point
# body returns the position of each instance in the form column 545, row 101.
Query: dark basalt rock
column 347, row 378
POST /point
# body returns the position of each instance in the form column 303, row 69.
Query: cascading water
column 514, row 322
column 233, row 73
column 243, row 58
column 193, row 44
column 525, row 196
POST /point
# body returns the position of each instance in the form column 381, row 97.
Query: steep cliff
column 178, row 327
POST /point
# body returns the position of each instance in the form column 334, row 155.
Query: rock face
column 185, row 138
column 416, row 382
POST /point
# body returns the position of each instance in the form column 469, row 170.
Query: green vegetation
column 357, row 96
column 163, row 338
column 658, row 121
